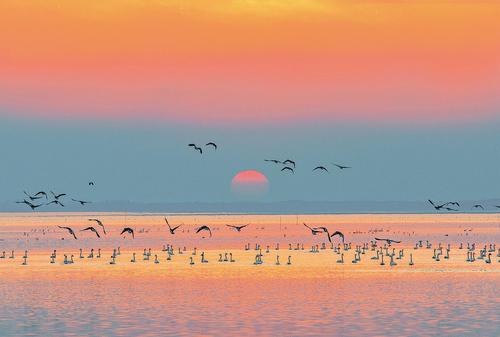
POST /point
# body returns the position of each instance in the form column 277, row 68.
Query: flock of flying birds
column 35, row 201
column 288, row 165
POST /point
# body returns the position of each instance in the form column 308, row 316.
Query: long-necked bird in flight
column 314, row 231
column 197, row 148
column 342, row 167
column 212, row 144
column 56, row 202
column 436, row 207
column 82, row 202
column 238, row 228
column 322, row 168
column 31, row 197
column 99, row 222
column 204, row 228
column 91, row 229
column 287, row 168
column 172, row 230
column 128, row 230
column 273, row 161
column 57, row 196
column 389, row 241
column 339, row 234
column 31, row 205
column 70, row 230
column 41, row 193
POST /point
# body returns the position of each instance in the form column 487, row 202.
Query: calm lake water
column 314, row 296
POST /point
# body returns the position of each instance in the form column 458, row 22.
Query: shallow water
column 314, row 296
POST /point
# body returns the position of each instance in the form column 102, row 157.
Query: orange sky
column 251, row 61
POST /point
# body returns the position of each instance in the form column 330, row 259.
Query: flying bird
column 204, row 228
column 128, row 230
column 32, row 198
column 288, row 161
column 100, row 224
column 238, row 228
column 69, row 230
column 314, row 231
column 41, row 193
column 339, row 234
column 322, row 168
column 211, row 144
column 56, row 202
column 172, row 230
column 82, row 202
column 33, row 207
column 57, row 196
column 196, row 148
column 288, row 168
column 91, row 229
column 478, row 206
column 91, row 183
column 389, row 241
column 273, row 161
column 436, row 207
column 342, row 167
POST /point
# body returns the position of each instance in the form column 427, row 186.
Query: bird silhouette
column 238, row 228
column 342, row 167
column 91, row 229
column 273, row 161
column 57, row 196
column 41, row 193
column 478, row 206
column 91, row 183
column 32, row 198
column 339, row 234
column 204, row 228
column 82, row 202
column 128, row 230
column 389, row 241
column 288, row 161
column 70, row 230
column 172, row 230
column 31, row 205
column 196, row 148
column 100, row 224
column 322, row 168
column 288, row 168
column 436, row 207
column 211, row 144
column 56, row 202
column 314, row 231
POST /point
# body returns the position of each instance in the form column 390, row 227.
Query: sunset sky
column 408, row 90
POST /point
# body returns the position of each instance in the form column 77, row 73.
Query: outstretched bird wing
column 339, row 234
column 211, row 144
